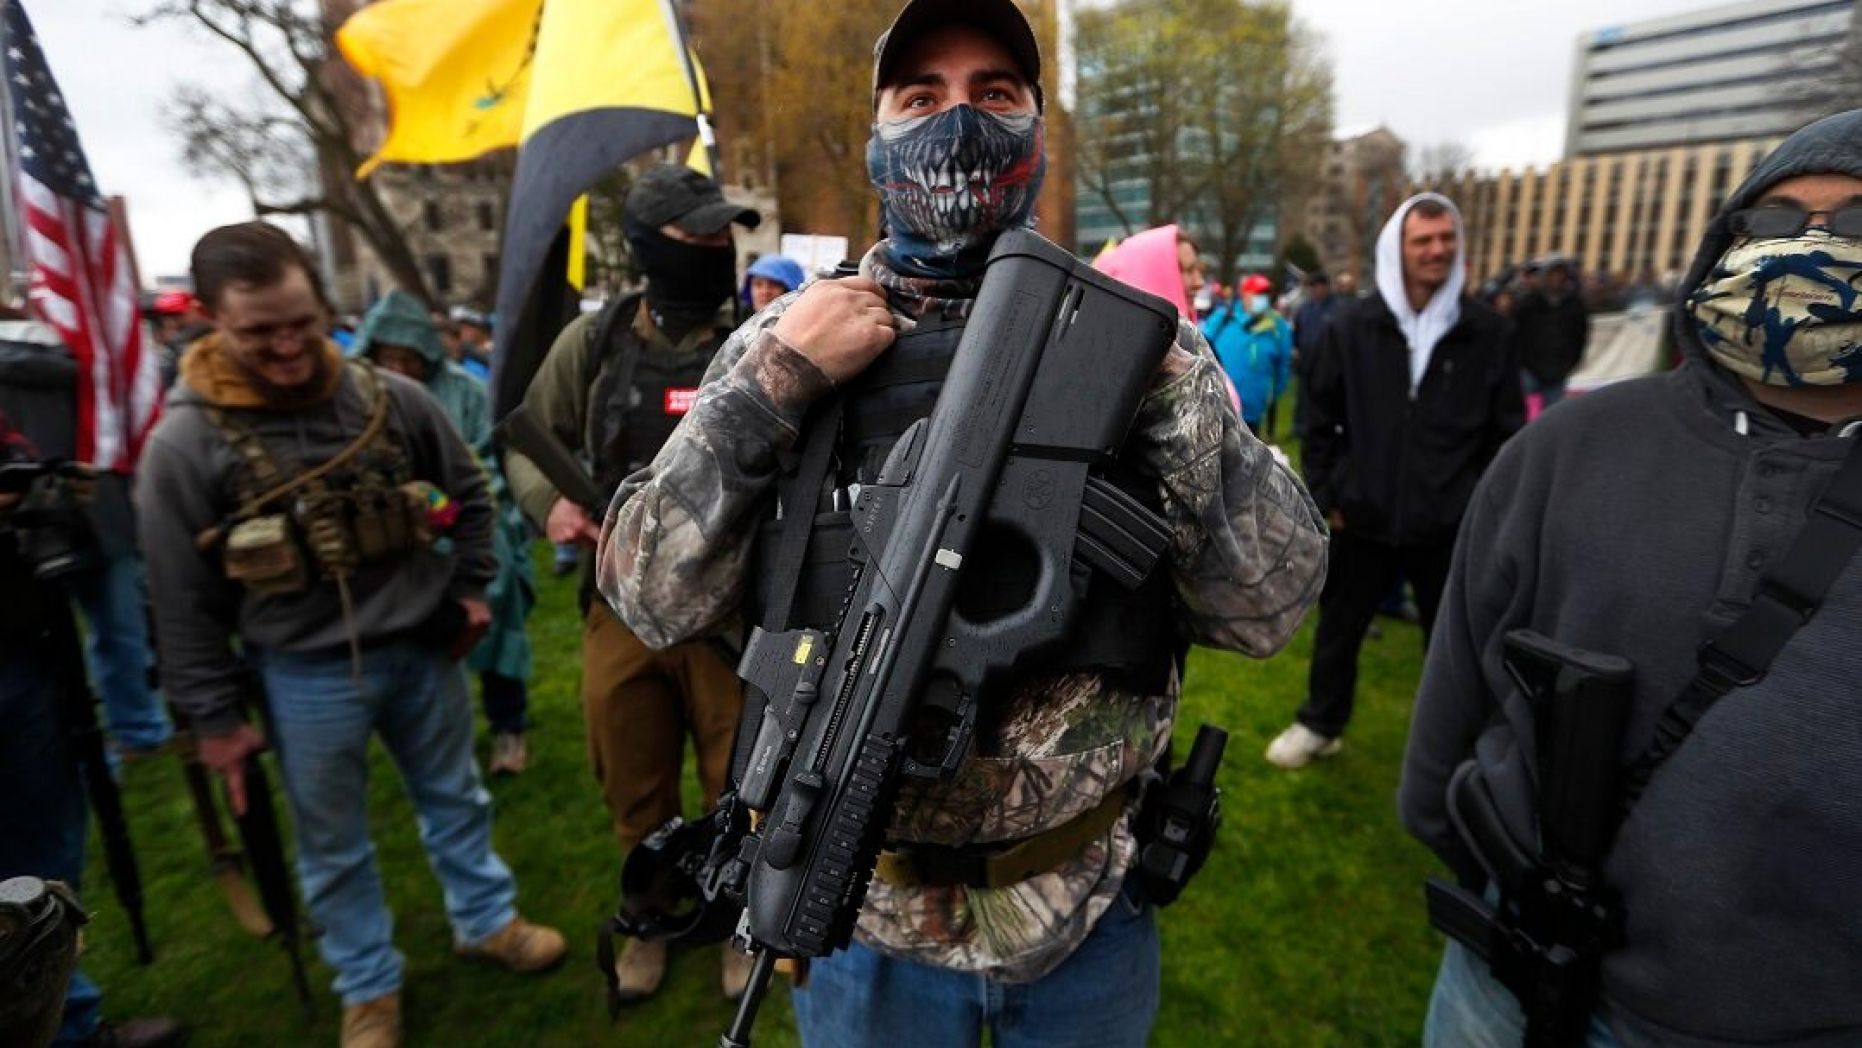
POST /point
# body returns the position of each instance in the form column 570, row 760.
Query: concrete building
column 1360, row 184
column 1712, row 75
column 1628, row 215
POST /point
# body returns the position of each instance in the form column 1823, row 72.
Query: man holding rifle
column 1703, row 526
column 328, row 516
column 957, row 158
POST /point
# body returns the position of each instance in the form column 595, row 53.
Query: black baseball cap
column 999, row 18
column 680, row 196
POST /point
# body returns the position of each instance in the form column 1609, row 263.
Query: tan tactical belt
column 1000, row 866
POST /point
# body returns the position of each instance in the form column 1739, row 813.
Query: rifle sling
column 798, row 495
column 1788, row 595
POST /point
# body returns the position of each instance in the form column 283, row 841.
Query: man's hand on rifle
column 841, row 326
column 569, row 522
column 226, row 753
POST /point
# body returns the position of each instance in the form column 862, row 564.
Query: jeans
column 321, row 718
column 1103, row 996
column 112, row 597
column 42, row 809
column 1470, row 1009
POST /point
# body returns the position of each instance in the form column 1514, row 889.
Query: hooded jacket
column 186, row 484
column 1637, row 521
column 1399, row 461
column 1255, row 351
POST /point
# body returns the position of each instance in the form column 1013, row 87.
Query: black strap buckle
column 1724, row 671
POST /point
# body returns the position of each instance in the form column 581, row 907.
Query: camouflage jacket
column 1248, row 557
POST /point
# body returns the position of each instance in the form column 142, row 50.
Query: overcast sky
column 1491, row 74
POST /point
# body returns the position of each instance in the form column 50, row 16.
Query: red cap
column 1256, row 284
column 173, row 303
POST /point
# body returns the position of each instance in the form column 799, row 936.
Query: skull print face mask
column 949, row 182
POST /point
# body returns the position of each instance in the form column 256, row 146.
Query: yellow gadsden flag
column 611, row 80
column 456, row 73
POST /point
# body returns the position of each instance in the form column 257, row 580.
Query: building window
column 440, row 274
column 487, row 216
column 435, row 221
column 490, row 260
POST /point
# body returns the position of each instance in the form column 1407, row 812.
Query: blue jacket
column 1257, row 353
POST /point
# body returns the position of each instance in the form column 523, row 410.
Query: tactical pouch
column 262, row 555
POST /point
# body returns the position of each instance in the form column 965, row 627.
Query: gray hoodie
column 1636, row 520
column 185, row 484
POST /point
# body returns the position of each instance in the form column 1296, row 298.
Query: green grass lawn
column 1305, row 928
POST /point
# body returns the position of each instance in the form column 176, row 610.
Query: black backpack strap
column 1787, row 597
column 798, row 497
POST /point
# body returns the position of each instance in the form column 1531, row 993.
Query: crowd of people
column 331, row 540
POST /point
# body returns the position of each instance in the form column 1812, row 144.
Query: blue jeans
column 42, row 809
column 112, row 599
column 1103, row 996
column 321, row 722
column 1470, row 1009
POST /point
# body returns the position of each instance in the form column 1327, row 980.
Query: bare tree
column 295, row 141
column 1133, row 125
column 1440, row 166
column 1219, row 109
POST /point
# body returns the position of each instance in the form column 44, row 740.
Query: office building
column 1721, row 74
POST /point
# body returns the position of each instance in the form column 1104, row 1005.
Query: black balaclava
column 686, row 283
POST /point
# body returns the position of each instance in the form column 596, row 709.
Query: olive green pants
column 639, row 705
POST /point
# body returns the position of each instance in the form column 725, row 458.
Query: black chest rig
column 644, row 384
column 1123, row 632
column 360, row 506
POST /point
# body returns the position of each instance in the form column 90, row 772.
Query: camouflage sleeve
column 1249, row 546
column 676, row 539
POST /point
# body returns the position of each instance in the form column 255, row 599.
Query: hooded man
column 770, row 278
column 1255, row 346
column 613, row 387
column 1070, row 955
column 398, row 333
column 326, row 514
column 1639, row 521
column 1414, row 391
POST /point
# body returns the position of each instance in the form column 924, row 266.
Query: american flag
column 82, row 281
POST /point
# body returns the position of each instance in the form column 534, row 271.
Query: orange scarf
column 210, row 369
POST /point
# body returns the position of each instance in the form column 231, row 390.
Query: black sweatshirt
column 1636, row 520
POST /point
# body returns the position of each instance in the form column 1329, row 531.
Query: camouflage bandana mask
column 1785, row 312
column 949, row 182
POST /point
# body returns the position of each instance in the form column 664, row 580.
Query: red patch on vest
column 680, row 400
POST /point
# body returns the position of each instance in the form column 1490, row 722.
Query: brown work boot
column 151, row 1032
column 373, row 1024
column 641, row 969
column 510, row 753
column 520, row 946
column 736, row 975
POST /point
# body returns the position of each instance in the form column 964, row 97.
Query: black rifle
column 226, row 859
column 526, row 436
column 1555, row 920
column 264, row 846
column 1038, row 399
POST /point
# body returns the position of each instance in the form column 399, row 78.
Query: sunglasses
column 1768, row 223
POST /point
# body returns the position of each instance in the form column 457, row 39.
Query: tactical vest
column 644, row 384
column 1122, row 632
column 360, row 506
